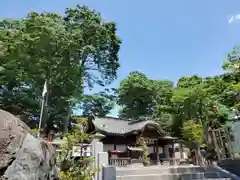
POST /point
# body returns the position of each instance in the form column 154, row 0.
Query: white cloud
column 233, row 18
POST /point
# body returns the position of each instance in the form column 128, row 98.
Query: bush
column 72, row 168
column 193, row 132
column 144, row 147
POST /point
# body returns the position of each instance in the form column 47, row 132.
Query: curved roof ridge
column 121, row 127
column 116, row 118
column 144, row 121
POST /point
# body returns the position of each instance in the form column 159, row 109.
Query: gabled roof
column 117, row 126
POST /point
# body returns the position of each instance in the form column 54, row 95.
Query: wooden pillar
column 181, row 150
column 157, row 151
column 173, row 153
column 138, row 137
column 154, row 147
column 173, row 149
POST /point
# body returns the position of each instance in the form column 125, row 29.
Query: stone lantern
column 98, row 137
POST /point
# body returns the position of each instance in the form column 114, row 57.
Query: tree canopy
column 204, row 101
column 139, row 95
column 70, row 51
column 98, row 104
column 78, row 50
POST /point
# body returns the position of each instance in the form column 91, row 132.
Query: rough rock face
column 22, row 156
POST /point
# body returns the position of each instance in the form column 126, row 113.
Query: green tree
column 139, row 95
column 198, row 102
column 231, row 94
column 71, row 51
column 136, row 96
column 99, row 104
column 74, row 169
column 233, row 60
column 188, row 82
column 193, row 132
column 200, row 99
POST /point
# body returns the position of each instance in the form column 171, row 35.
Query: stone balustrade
column 119, row 162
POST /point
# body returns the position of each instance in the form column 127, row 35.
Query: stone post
column 97, row 147
column 109, row 173
column 102, row 162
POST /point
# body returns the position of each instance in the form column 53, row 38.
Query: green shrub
column 75, row 169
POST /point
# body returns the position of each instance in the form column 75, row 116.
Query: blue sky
column 165, row 39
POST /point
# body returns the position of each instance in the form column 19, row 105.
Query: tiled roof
column 122, row 126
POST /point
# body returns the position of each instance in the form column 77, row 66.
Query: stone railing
column 119, row 162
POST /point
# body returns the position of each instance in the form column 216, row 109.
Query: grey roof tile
column 122, row 126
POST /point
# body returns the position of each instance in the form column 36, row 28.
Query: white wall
column 166, row 150
column 150, row 149
column 160, row 150
column 107, row 147
column 120, row 147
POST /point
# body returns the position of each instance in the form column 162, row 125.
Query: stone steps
column 162, row 169
column 165, row 177
column 170, row 176
column 170, row 173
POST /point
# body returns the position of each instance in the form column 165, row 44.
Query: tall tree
column 71, row 51
column 139, row 95
column 98, row 104
column 188, row 82
column 232, row 79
